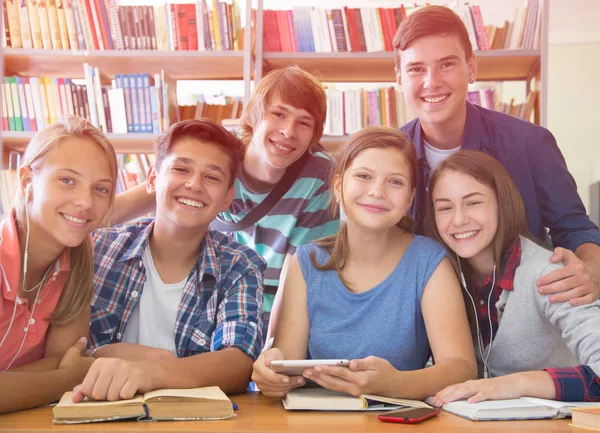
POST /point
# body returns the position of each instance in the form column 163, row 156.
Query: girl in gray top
column 526, row 345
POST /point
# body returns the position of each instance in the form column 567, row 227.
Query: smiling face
column 376, row 191
column 466, row 216
column 283, row 135
column 434, row 76
column 192, row 184
column 70, row 193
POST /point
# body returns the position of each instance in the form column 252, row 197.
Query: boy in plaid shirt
column 174, row 302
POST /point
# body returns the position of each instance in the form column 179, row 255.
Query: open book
column 163, row 404
column 324, row 399
column 522, row 408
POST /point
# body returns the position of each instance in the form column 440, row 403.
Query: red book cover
column 276, row 41
column 284, row 33
column 101, row 23
column 190, row 11
column 361, row 31
column 387, row 41
column 389, row 12
column 181, row 23
column 352, row 28
column 88, row 10
column 292, row 30
column 267, row 33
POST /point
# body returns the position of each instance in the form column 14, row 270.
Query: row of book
column 217, row 108
column 350, row 110
column 310, row 29
column 488, row 98
column 132, row 103
column 103, row 25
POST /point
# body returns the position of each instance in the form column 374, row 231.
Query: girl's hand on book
column 272, row 384
column 370, row 375
column 114, row 379
column 496, row 388
column 75, row 359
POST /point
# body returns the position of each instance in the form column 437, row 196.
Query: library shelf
column 131, row 143
column 179, row 65
column 494, row 65
column 123, row 143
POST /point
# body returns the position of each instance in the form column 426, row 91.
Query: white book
column 200, row 9
column 30, row 107
column 88, row 73
column 40, row 117
column 314, row 25
column 328, row 43
column 118, row 117
column 99, row 100
column 514, row 409
column 516, row 37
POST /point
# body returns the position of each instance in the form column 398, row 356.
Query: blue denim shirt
column 532, row 158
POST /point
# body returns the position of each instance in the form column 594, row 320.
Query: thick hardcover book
column 209, row 403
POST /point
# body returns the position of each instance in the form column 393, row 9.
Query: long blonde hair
column 77, row 294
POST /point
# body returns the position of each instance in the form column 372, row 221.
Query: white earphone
column 17, row 298
column 482, row 353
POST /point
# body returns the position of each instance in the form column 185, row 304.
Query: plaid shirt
column 221, row 304
column 572, row 383
column 504, row 281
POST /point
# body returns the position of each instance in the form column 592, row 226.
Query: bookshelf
column 251, row 64
column 498, row 65
column 179, row 65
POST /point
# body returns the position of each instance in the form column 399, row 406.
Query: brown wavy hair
column 512, row 219
column 373, row 137
column 203, row 129
column 295, row 87
column 430, row 21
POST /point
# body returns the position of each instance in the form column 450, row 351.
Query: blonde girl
column 66, row 189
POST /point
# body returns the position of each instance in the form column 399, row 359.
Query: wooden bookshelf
column 123, row 143
column 179, row 65
column 130, row 143
column 494, row 65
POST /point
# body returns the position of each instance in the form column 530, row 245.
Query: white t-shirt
column 435, row 156
column 152, row 322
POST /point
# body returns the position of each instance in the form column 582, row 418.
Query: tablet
column 295, row 367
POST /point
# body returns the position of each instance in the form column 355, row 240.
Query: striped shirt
column 300, row 217
column 221, row 304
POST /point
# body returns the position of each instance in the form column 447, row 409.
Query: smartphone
column 409, row 415
column 295, row 367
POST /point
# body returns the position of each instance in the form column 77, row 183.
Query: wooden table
column 259, row 414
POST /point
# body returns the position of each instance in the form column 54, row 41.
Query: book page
column 206, row 393
column 67, row 401
column 396, row 401
column 563, row 406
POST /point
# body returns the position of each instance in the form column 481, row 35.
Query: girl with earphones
column 526, row 346
column 374, row 293
column 66, row 188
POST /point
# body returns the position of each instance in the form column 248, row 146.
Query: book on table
column 208, row 403
column 514, row 409
column 586, row 417
column 324, row 399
